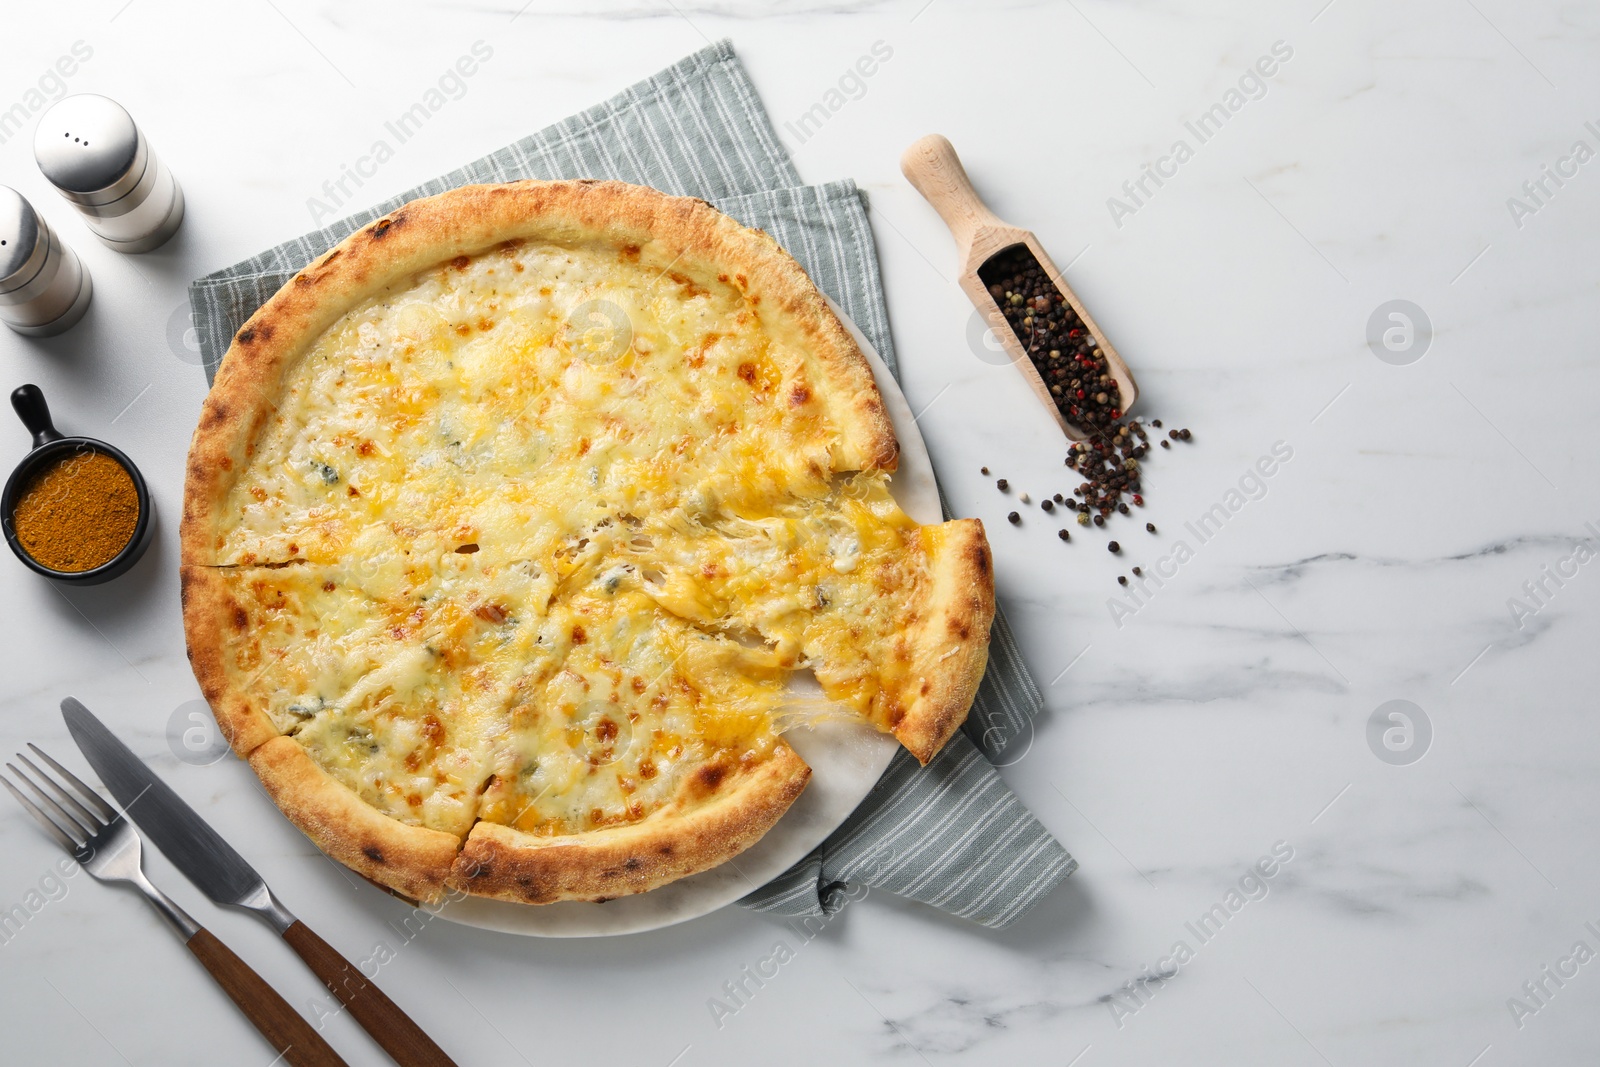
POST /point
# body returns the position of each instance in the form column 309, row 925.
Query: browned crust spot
column 692, row 833
column 950, row 642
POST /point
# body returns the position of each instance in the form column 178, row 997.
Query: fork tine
column 40, row 817
column 82, row 814
column 59, row 815
column 107, row 812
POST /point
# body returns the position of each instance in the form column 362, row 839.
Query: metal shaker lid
column 22, row 251
column 90, row 149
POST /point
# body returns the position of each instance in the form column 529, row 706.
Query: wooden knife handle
column 933, row 168
column 402, row 1039
column 287, row 1030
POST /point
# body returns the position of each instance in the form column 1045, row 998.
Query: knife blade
column 227, row 878
column 176, row 829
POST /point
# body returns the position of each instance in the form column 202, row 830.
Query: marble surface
column 1229, row 715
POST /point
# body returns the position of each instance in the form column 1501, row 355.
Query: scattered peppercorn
column 1137, row 572
column 1166, row 444
column 1064, row 535
column 1150, row 526
column 1110, row 463
column 1025, row 498
column 1156, row 423
column 1113, row 547
column 1046, row 504
column 1122, row 579
column 983, row 470
column 1083, row 518
column 1002, row 485
column 1014, row 519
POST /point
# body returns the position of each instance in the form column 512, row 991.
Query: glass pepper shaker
column 44, row 288
column 99, row 160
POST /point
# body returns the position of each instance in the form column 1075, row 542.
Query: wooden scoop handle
column 934, row 170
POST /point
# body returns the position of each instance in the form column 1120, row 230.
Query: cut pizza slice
column 388, row 687
column 639, row 749
column 890, row 616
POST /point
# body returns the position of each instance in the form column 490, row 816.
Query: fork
column 106, row 846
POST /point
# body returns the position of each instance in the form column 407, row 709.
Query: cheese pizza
column 509, row 520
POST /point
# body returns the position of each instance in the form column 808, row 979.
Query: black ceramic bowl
column 49, row 446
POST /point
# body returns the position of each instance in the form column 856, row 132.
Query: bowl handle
column 34, row 413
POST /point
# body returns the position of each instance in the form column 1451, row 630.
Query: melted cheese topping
column 539, row 532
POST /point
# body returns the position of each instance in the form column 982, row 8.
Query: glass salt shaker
column 44, row 288
column 96, row 156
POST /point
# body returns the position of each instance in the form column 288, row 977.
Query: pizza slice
column 882, row 610
column 639, row 748
column 383, row 683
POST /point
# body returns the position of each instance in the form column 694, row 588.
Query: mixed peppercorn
column 1074, row 368
column 1062, row 348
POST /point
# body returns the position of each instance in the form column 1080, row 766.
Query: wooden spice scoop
column 934, row 169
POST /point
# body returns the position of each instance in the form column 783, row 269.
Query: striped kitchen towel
column 950, row 834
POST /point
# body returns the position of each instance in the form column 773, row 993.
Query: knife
column 223, row 875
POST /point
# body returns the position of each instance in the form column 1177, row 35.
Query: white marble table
column 1226, row 716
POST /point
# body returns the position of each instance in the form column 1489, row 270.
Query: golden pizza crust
column 411, row 860
column 950, row 643
column 718, row 813
column 473, row 219
column 212, row 619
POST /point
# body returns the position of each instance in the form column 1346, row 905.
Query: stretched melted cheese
column 535, row 535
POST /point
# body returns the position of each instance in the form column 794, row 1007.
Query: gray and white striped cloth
column 950, row 834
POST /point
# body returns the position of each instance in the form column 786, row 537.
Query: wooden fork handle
column 286, row 1029
column 401, row 1038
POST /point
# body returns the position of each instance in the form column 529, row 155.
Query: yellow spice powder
column 77, row 513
